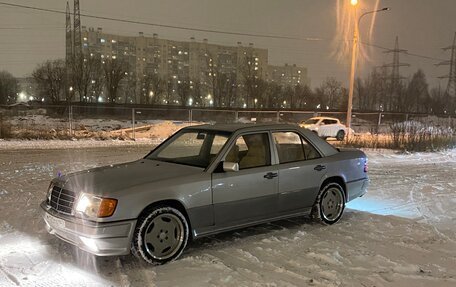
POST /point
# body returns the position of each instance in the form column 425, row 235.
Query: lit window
column 102, row 40
column 299, row 72
column 113, row 41
column 114, row 57
column 85, row 38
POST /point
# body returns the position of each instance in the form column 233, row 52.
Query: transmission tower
column 77, row 30
column 395, row 78
column 68, row 50
column 451, row 87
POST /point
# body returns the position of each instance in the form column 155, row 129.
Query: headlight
column 49, row 192
column 94, row 206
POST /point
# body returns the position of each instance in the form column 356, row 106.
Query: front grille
column 62, row 200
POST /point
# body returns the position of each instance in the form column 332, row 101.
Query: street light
column 354, row 3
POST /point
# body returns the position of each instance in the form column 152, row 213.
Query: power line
column 163, row 25
column 215, row 31
column 402, row 52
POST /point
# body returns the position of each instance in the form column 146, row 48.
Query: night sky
column 424, row 27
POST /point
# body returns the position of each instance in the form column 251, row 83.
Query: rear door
column 251, row 193
column 301, row 170
column 329, row 128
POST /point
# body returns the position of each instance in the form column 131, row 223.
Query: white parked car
column 326, row 127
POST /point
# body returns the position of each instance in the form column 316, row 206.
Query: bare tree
column 50, row 80
column 87, row 77
column 332, row 92
column 196, row 92
column 254, row 86
column 184, row 92
column 115, row 71
column 272, row 95
column 153, row 87
column 438, row 104
column 417, row 95
column 8, row 88
column 131, row 89
column 221, row 85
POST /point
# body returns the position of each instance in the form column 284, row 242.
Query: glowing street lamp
column 354, row 3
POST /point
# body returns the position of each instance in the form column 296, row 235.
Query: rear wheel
column 330, row 204
column 161, row 235
column 340, row 135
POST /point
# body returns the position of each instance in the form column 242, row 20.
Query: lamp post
column 354, row 3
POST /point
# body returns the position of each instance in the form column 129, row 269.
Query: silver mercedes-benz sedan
column 203, row 180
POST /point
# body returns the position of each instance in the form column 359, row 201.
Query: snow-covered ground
column 402, row 233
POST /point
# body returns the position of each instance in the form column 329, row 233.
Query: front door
column 250, row 193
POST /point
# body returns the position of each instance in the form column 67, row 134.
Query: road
column 402, row 233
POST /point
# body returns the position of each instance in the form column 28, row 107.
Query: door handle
column 319, row 167
column 270, row 175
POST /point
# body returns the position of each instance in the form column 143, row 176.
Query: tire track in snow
column 10, row 276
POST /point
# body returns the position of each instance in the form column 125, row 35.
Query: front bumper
column 98, row 238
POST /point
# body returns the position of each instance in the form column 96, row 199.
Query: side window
column 217, row 143
column 330, row 122
column 309, row 151
column 289, row 146
column 250, row 151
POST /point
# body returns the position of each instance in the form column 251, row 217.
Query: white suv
column 326, row 127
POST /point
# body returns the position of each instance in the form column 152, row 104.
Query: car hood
column 107, row 179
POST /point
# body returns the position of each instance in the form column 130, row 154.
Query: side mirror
column 230, row 166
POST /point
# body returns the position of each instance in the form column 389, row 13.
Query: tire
column 330, row 204
column 340, row 135
column 161, row 235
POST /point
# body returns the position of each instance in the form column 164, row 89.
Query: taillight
column 366, row 166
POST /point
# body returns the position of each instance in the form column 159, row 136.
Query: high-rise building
column 288, row 75
column 179, row 62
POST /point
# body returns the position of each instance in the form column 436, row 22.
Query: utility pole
column 395, row 77
column 77, row 30
column 68, row 52
column 450, row 92
column 77, row 42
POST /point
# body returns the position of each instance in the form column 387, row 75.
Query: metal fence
column 87, row 119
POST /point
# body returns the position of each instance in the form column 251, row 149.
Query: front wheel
column 340, row 135
column 330, row 204
column 161, row 235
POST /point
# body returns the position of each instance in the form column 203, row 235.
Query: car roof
column 323, row 146
column 242, row 127
column 325, row 118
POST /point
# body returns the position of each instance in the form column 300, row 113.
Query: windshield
column 194, row 148
column 311, row 121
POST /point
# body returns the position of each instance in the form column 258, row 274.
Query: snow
column 402, row 233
